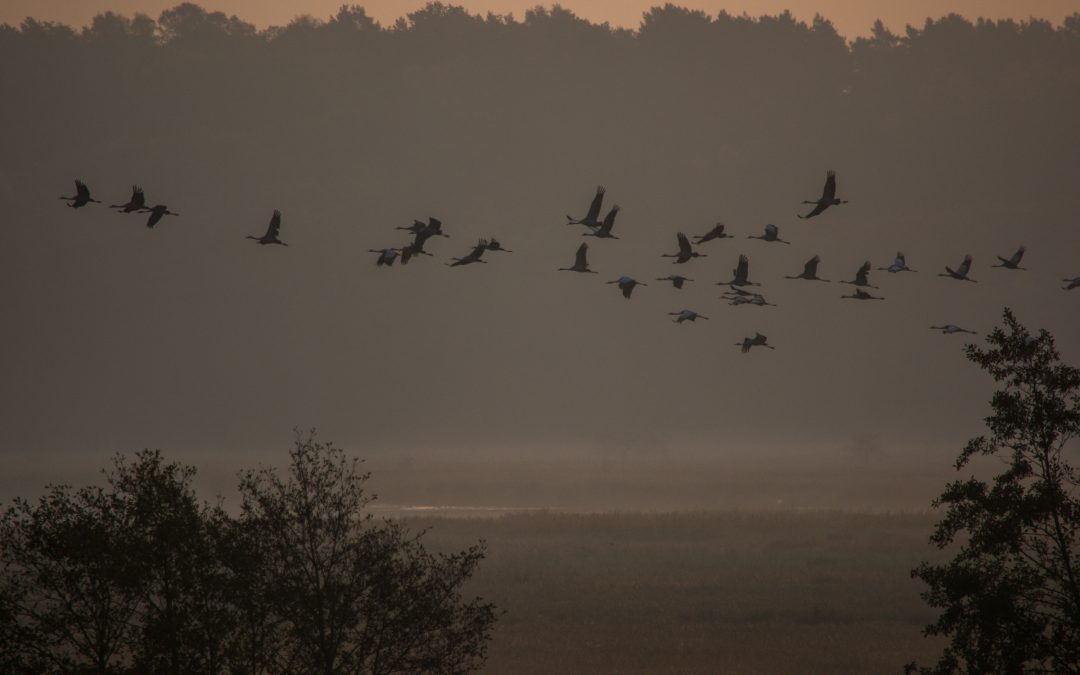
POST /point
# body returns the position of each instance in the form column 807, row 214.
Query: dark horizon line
column 549, row 9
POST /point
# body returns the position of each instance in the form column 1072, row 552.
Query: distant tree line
column 188, row 24
column 139, row 576
column 667, row 34
column 693, row 92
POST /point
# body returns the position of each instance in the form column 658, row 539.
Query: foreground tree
column 1010, row 598
column 139, row 576
column 185, row 615
column 71, row 584
column 350, row 595
column 112, row 578
column 15, row 658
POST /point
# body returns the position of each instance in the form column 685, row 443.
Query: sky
column 852, row 17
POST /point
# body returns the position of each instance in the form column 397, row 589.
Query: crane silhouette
column 809, row 271
column 961, row 272
column 473, row 256
column 686, row 252
column 603, row 231
column 738, row 297
column 898, row 265
column 741, row 274
column 412, row 250
column 676, row 280
column 387, row 256
column 581, row 261
column 950, row 328
column 1012, row 263
column 272, row 230
column 156, row 214
column 137, row 201
column 421, row 233
column 415, row 248
column 81, row 197
column 432, row 228
column 772, row 233
column 1071, row 283
column 592, row 218
column 860, row 294
column 686, row 315
column 828, row 197
column 716, row 233
column 627, row 285
column 862, row 277
column 758, row 340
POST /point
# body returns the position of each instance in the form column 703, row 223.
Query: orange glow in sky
column 851, row 17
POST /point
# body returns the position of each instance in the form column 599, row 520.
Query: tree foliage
column 352, row 595
column 1010, row 597
column 139, row 576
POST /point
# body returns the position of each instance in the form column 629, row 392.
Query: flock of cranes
column 137, row 203
column 602, row 229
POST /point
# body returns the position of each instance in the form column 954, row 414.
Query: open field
column 708, row 592
column 760, row 561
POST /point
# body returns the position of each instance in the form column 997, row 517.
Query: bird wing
column 275, row 225
column 810, row 268
column 597, row 202
column 742, row 271
column 609, row 220
column 155, row 216
column 81, row 190
column 863, row 275
column 817, row 211
column 772, row 231
column 1018, row 256
column 684, row 244
column 418, row 240
column 138, row 199
column 829, row 193
column 580, row 259
column 964, row 266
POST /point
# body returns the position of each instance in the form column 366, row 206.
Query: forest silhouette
column 951, row 86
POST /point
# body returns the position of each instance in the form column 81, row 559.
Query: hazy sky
column 852, row 17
